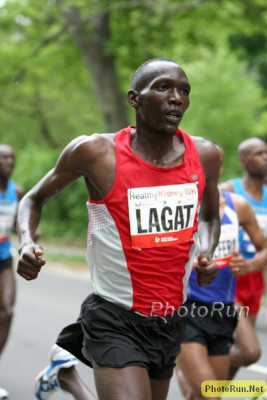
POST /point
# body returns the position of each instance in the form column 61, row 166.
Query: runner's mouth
column 174, row 115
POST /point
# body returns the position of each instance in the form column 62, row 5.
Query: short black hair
column 140, row 70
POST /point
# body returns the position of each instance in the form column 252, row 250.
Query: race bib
column 7, row 218
column 162, row 215
column 228, row 243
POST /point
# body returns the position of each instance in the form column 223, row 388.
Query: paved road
column 43, row 307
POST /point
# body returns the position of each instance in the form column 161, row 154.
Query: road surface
column 46, row 305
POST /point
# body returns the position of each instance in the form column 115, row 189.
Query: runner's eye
column 162, row 87
column 186, row 91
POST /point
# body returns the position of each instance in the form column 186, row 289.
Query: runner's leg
column 7, row 300
column 131, row 383
column 70, row 381
column 159, row 389
column 194, row 367
column 220, row 365
column 246, row 348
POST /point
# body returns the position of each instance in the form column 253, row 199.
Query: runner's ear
column 133, row 98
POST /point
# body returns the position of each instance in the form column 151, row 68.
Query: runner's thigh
column 159, row 389
column 131, row 383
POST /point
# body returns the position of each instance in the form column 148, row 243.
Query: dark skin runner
column 7, row 278
column 160, row 97
column 252, row 154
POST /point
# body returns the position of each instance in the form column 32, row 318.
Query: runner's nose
column 175, row 96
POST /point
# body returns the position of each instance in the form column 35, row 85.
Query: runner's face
column 7, row 163
column 163, row 98
column 256, row 161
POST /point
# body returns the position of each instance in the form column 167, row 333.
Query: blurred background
column 66, row 66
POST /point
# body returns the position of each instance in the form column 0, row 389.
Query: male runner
column 149, row 187
column 212, row 316
column 9, row 197
column 253, row 158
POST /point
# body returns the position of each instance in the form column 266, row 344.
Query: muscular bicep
column 91, row 157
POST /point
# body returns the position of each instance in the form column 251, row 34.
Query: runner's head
column 160, row 95
column 7, row 160
column 253, row 157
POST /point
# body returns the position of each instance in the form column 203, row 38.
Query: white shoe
column 46, row 383
column 3, row 393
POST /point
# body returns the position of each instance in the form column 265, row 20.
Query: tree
column 67, row 64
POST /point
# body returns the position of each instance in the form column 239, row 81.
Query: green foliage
column 47, row 92
column 68, row 213
column 33, row 164
column 67, row 210
column 226, row 104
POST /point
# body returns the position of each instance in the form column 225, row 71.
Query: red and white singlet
column 141, row 236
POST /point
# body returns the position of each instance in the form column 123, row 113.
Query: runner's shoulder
column 90, row 146
column 208, row 155
column 96, row 139
column 205, row 146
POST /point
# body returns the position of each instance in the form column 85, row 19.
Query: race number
column 162, row 215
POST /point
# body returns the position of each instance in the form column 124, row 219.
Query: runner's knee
column 6, row 314
column 251, row 355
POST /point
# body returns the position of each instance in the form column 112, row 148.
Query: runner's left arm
column 209, row 219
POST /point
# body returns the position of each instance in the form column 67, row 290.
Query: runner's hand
column 30, row 261
column 207, row 270
column 239, row 265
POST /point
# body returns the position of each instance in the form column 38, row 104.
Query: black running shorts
column 214, row 330
column 7, row 263
column 115, row 337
